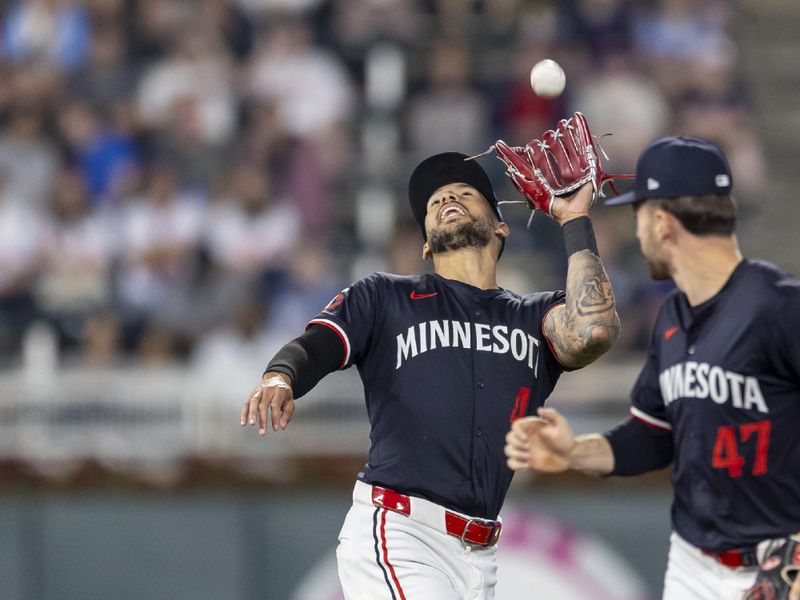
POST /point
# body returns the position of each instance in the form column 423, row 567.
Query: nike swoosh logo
column 669, row 332
column 416, row 296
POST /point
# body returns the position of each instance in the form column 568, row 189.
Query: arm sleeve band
column 638, row 448
column 308, row 358
column 579, row 235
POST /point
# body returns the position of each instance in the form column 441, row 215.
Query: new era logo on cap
column 677, row 166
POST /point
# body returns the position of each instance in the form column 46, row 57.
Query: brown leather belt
column 478, row 532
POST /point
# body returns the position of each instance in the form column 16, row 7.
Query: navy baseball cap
column 676, row 166
column 441, row 169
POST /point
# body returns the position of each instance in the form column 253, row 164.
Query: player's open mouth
column 451, row 211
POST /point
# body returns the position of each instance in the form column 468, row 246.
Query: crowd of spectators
column 191, row 180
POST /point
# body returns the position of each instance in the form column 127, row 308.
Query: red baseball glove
column 559, row 163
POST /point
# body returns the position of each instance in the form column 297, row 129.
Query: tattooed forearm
column 595, row 297
column 588, row 324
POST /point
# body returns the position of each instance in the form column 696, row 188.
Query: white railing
column 160, row 416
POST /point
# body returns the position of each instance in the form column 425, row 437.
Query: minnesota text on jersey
column 701, row 380
column 430, row 335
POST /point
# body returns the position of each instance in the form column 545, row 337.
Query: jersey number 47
column 726, row 447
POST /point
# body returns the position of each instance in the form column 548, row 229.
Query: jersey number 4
column 726, row 447
column 520, row 404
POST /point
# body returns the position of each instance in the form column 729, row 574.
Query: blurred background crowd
column 192, row 180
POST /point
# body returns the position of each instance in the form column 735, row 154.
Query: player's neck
column 477, row 267
column 704, row 265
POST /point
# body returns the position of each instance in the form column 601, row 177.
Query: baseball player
column 719, row 395
column 447, row 360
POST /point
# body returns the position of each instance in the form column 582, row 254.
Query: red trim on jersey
column 649, row 420
column 386, row 555
column 339, row 331
column 547, row 339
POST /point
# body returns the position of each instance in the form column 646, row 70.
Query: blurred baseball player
column 719, row 395
column 447, row 360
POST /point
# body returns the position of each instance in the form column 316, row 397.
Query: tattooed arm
column 586, row 325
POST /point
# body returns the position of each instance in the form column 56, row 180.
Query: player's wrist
column 270, row 377
column 573, row 454
column 579, row 235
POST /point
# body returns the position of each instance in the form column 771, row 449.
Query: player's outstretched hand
column 566, row 208
column 543, row 443
column 272, row 399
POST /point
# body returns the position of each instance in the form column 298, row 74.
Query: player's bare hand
column 517, row 449
column 271, row 400
column 566, row 208
column 543, row 443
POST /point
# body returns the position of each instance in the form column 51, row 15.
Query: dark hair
column 702, row 215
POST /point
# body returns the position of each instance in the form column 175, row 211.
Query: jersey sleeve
column 782, row 334
column 639, row 448
column 552, row 300
column 352, row 315
column 647, row 404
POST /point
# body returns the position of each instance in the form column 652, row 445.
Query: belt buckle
column 749, row 558
column 493, row 536
column 466, row 530
column 497, row 529
column 744, row 557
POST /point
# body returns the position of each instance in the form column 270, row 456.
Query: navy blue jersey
column 446, row 366
column 724, row 377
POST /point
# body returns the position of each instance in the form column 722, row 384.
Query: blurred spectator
column 312, row 283
column 297, row 170
column 47, row 33
column 188, row 93
column 732, row 128
column 267, row 8
column 21, row 231
column 228, row 20
column 251, row 231
column 229, row 354
column 496, row 48
column 716, row 108
column 308, row 85
column 523, row 114
column 28, row 159
column 502, row 26
column 358, row 25
column 405, row 250
column 448, row 113
column 676, row 36
column 101, row 345
column 107, row 158
column 454, row 18
column 153, row 24
column 602, row 26
column 620, row 101
column 159, row 232
column 74, row 282
column 197, row 303
column 108, row 77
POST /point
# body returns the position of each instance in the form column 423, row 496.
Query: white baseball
column 548, row 78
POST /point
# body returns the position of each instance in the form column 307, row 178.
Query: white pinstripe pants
column 692, row 575
column 383, row 555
